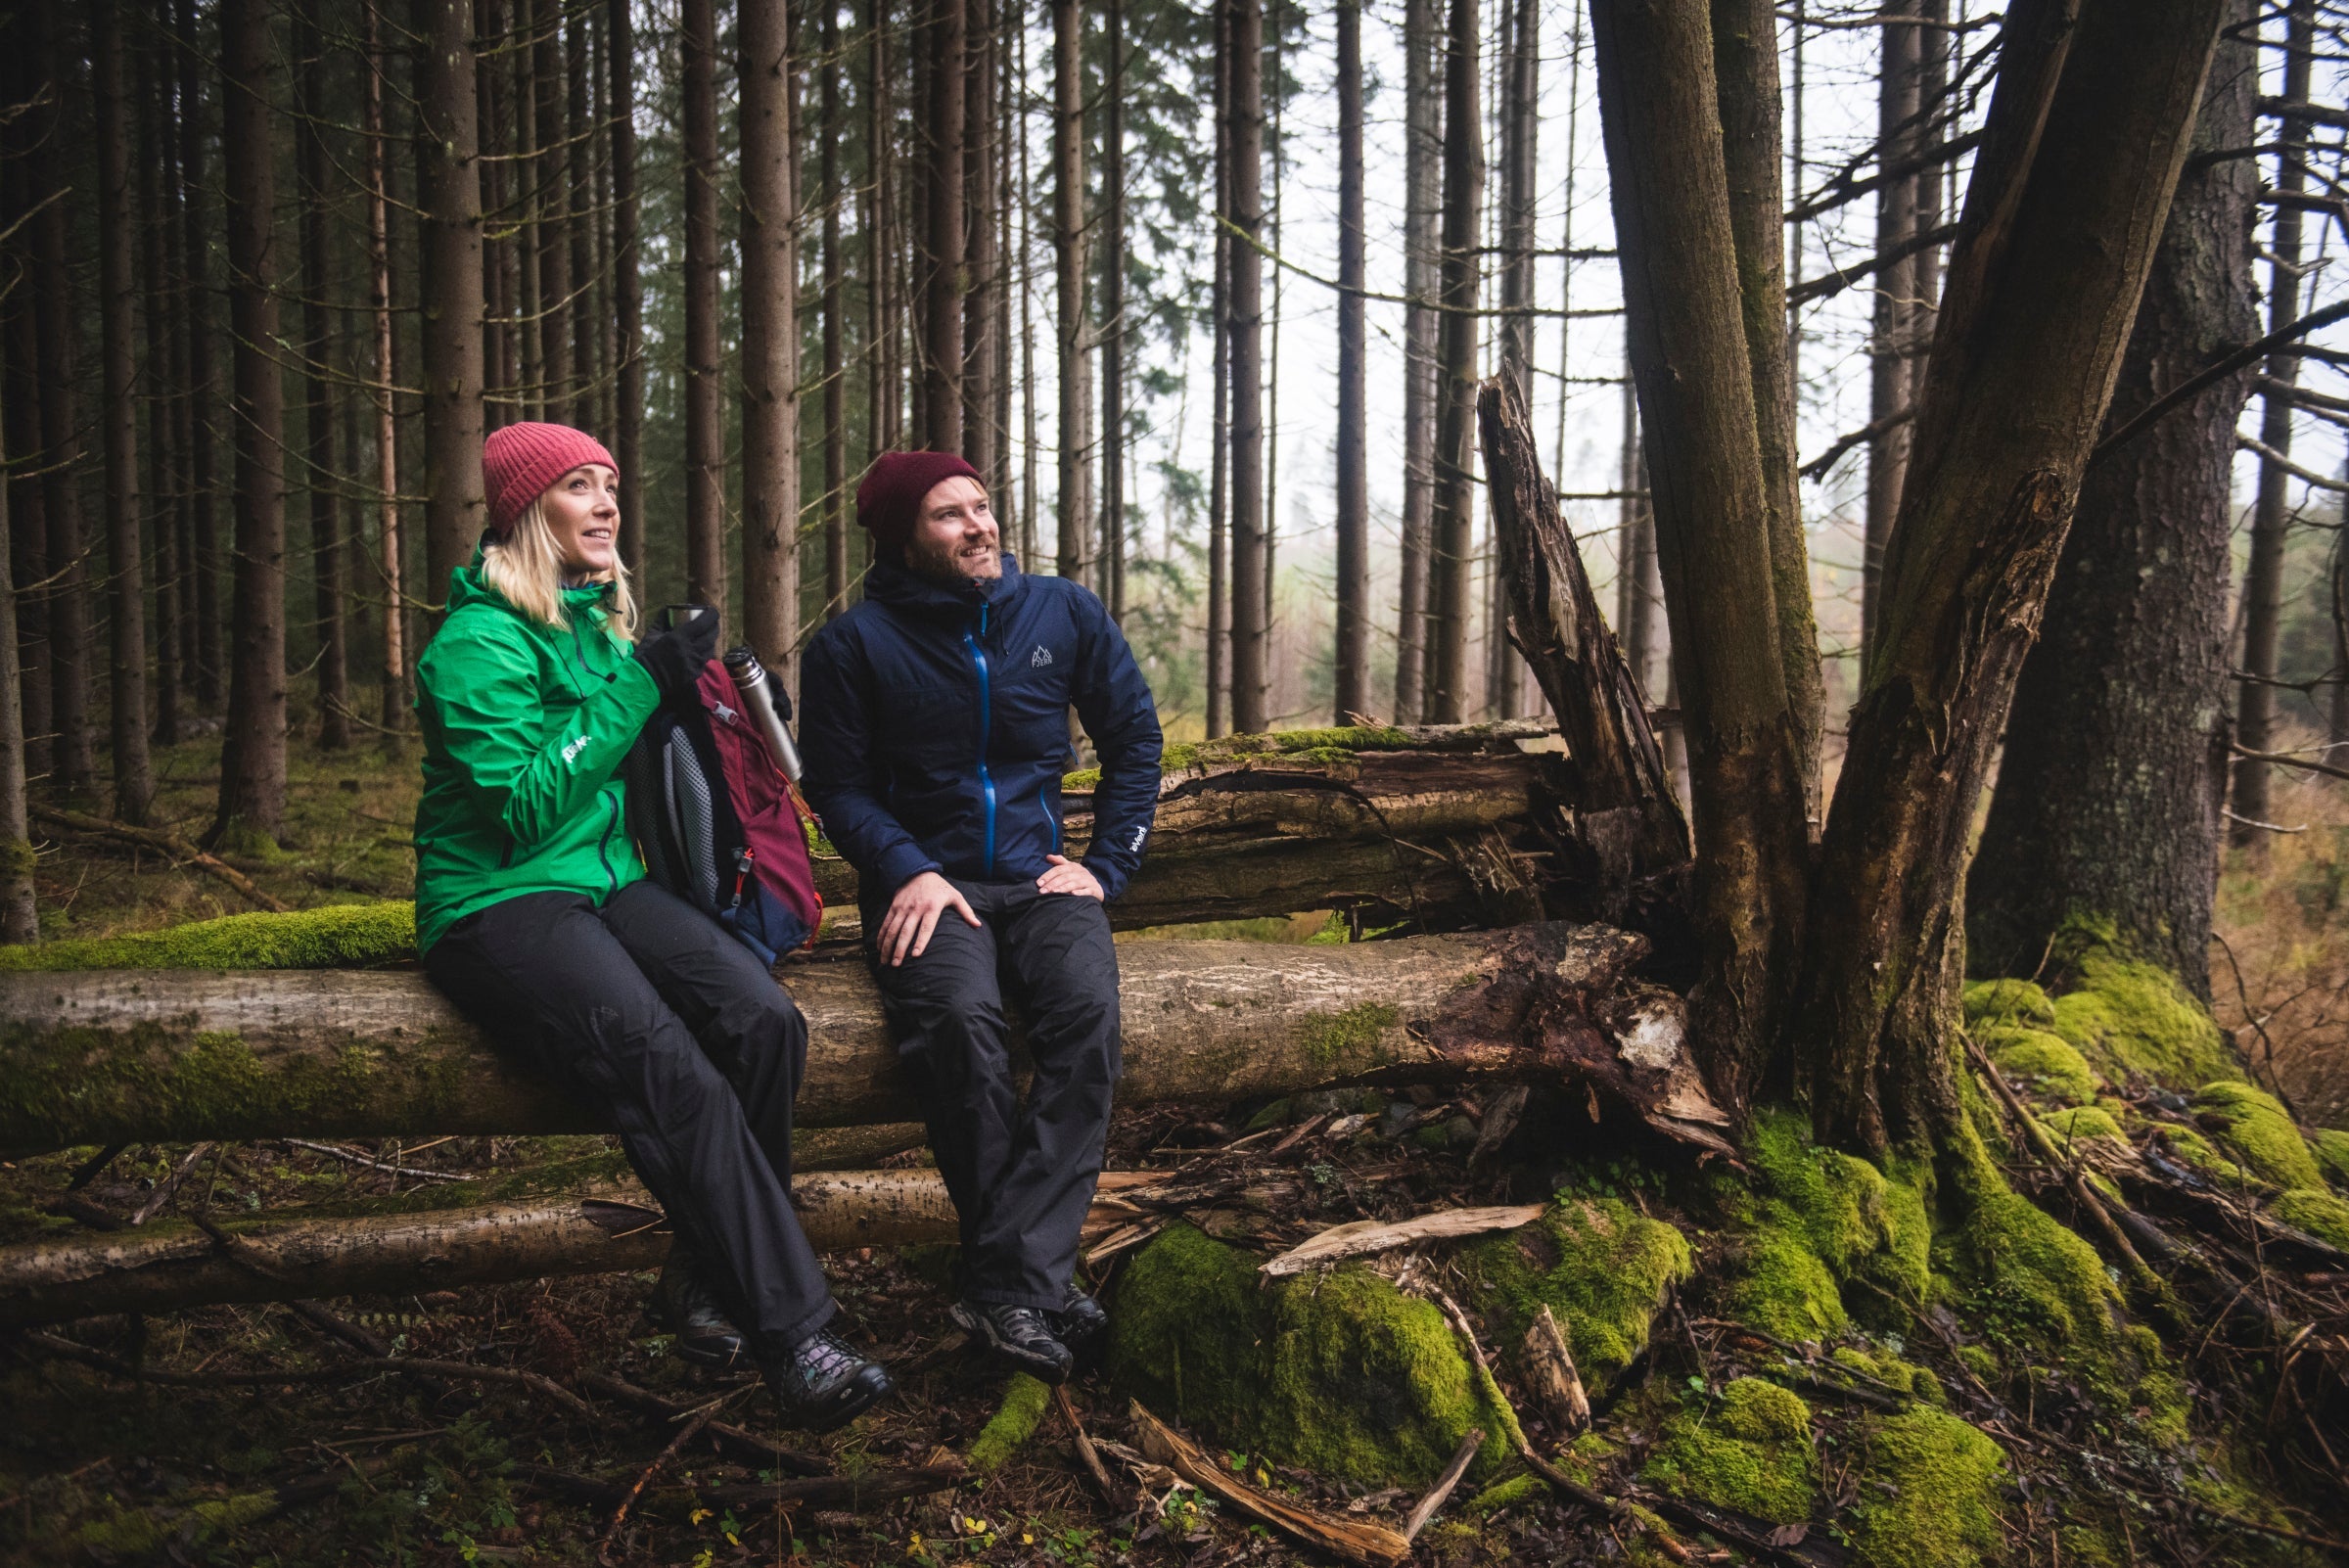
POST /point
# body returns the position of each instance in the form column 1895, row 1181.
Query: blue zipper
column 986, row 781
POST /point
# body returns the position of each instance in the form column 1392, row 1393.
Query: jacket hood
column 911, row 593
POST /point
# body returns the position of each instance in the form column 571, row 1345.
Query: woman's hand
column 913, row 915
column 676, row 656
column 1069, row 876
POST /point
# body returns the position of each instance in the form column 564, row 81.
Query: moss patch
column 2259, row 1132
column 2128, row 1016
column 1824, row 1218
column 340, row 936
column 2008, row 1001
column 1507, row 1494
column 1753, row 1453
column 1011, row 1426
column 2078, row 1123
column 2330, row 1146
column 1339, row 1374
column 1784, row 1289
column 2041, row 1065
column 1928, row 1497
column 2036, row 1282
column 2319, row 1213
column 1600, row 1266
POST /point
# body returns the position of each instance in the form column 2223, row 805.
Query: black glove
column 675, row 655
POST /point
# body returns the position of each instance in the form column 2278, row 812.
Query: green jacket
column 524, row 727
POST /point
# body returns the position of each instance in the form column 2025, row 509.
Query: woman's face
column 582, row 509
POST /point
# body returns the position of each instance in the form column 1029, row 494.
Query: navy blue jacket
column 933, row 722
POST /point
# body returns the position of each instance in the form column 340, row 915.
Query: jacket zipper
column 1054, row 820
column 986, row 782
column 604, row 844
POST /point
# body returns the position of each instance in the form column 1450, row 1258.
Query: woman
column 536, row 920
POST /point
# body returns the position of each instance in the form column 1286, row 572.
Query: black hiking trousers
column 668, row 1029
column 1021, row 1175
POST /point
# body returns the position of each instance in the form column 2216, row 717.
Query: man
column 934, row 726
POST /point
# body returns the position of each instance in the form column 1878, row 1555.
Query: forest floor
column 346, row 1464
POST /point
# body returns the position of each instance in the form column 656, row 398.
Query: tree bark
column 29, row 542
column 1246, row 326
column 2114, row 766
column 118, row 422
column 252, row 762
column 448, row 191
column 1745, row 54
column 1353, row 694
column 55, row 335
column 982, row 276
column 834, row 509
column 124, row 1056
column 2271, row 512
column 943, row 262
column 1112, row 308
column 578, row 193
column 1518, row 74
column 1659, row 102
column 203, row 388
column 770, row 339
column 166, row 393
column 1453, row 522
column 393, row 566
column 318, row 432
column 704, row 364
column 1219, row 482
column 492, row 75
column 1894, row 284
column 2087, row 132
column 1423, row 203
column 19, row 915
column 1639, row 586
column 628, row 293
column 1073, row 508
column 550, row 228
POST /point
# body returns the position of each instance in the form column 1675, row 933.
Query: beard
column 945, row 560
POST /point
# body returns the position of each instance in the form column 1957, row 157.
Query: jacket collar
column 911, row 594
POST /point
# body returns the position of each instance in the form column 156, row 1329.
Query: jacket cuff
column 900, row 864
column 1111, row 875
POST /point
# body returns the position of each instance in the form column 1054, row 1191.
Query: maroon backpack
column 719, row 825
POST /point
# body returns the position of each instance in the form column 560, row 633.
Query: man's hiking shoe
column 824, row 1383
column 1083, row 1328
column 683, row 1305
column 1016, row 1336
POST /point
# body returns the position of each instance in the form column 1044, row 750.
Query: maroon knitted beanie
column 520, row 461
column 890, row 500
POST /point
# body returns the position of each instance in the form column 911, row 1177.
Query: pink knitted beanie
column 520, row 461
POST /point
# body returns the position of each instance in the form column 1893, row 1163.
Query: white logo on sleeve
column 571, row 750
column 1139, row 834
column 1041, row 658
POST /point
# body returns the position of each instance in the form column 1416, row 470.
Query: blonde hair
column 526, row 568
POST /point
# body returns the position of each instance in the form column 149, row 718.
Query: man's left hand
column 1066, row 876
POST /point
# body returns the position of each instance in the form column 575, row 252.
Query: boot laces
column 825, row 1356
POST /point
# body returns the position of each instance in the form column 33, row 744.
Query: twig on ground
column 1373, row 1545
column 1438, row 1494
column 354, row 1157
column 1085, row 1451
column 748, row 1447
column 171, row 844
column 620, row 1514
column 168, row 1185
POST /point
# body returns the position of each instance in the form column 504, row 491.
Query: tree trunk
column 253, row 761
column 19, row 915
column 530, row 196
column 165, row 396
column 1894, row 284
column 318, row 431
column 1112, row 308
column 2271, row 512
column 490, row 77
column 29, row 541
column 835, row 509
column 881, row 391
column 392, row 567
column 2085, row 135
column 1246, row 326
column 1453, row 523
column 705, row 363
column 1073, row 506
column 944, row 43
column 1745, row 56
column 1639, row 586
column 54, row 323
column 1422, row 202
column 1518, row 70
column 1219, row 482
column 2114, row 766
column 117, row 1057
column 118, row 421
column 770, row 341
column 579, row 191
column 203, row 388
column 982, row 280
column 553, row 179
column 1659, row 101
column 1353, row 695
column 449, row 193
column 628, row 293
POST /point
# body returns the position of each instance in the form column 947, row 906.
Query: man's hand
column 913, row 915
column 1066, row 876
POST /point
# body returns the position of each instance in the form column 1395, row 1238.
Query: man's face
column 954, row 538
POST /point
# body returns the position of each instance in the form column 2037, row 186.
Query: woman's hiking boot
column 1083, row 1328
column 683, row 1305
column 822, row 1383
column 1016, row 1336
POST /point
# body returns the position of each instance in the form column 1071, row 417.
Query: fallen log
column 93, row 1057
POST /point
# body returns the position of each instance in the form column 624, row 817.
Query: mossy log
column 1444, row 826
column 176, row 1264
column 149, row 1056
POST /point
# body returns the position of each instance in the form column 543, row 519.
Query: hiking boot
column 1083, row 1328
column 683, row 1305
column 1016, row 1336
column 822, row 1383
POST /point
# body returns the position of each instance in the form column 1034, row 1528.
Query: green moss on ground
column 1339, row 1374
column 1753, row 1453
column 2129, row 1016
column 2330, row 1146
column 2041, row 1065
column 1824, row 1218
column 1599, row 1266
column 1928, row 1493
column 2036, row 1282
column 2079, row 1122
column 1507, row 1494
column 338, row 935
column 2260, row 1132
column 2321, row 1214
column 1784, row 1289
column 2018, row 1002
column 1011, row 1426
